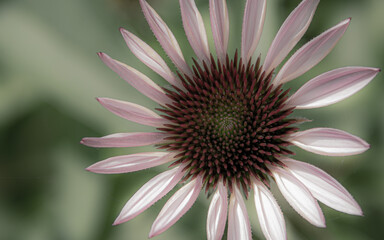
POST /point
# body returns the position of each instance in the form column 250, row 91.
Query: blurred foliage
column 50, row 75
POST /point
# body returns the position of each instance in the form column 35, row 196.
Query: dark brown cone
column 229, row 123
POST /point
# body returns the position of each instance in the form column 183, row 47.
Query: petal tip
column 343, row 24
column 93, row 169
column 102, row 100
column 124, row 32
column 364, row 146
column 322, row 225
column 122, row 219
column 367, row 146
column 361, row 213
column 87, row 141
column 118, row 221
column 152, row 234
column 103, row 57
column 358, row 212
column 356, row 209
column 348, row 20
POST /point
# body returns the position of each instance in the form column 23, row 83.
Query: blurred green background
column 50, row 76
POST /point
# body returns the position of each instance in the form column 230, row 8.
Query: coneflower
column 225, row 125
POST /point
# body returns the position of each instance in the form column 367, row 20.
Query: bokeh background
column 50, row 76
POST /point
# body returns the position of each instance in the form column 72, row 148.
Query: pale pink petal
column 134, row 139
column 217, row 213
column 238, row 222
column 150, row 193
column 194, row 29
column 165, row 37
column 149, row 57
column 323, row 187
column 298, row 196
column 332, row 87
column 220, row 27
column 133, row 112
column 253, row 23
column 269, row 213
column 131, row 163
column 138, row 80
column 290, row 33
column 311, row 53
column 329, row 141
column 176, row 207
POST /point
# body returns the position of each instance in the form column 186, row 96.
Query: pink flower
column 226, row 123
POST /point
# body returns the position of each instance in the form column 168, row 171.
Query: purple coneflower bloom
column 225, row 125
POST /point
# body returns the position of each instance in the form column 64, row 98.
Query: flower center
column 223, row 116
column 228, row 123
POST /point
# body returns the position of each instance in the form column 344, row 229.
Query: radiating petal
column 134, row 139
column 217, row 213
column 298, row 196
column 176, row 207
column 332, row 87
column 220, row 27
column 194, row 29
column 238, row 222
column 138, row 80
column 165, row 37
column 324, row 187
column 290, row 33
column 253, row 23
column 149, row 193
column 133, row 112
column 269, row 213
column 131, row 163
column 329, row 141
column 149, row 57
column 311, row 53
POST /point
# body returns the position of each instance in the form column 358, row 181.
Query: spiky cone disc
column 228, row 124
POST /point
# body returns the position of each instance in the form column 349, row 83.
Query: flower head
column 225, row 125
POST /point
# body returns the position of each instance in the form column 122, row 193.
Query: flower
column 226, row 126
